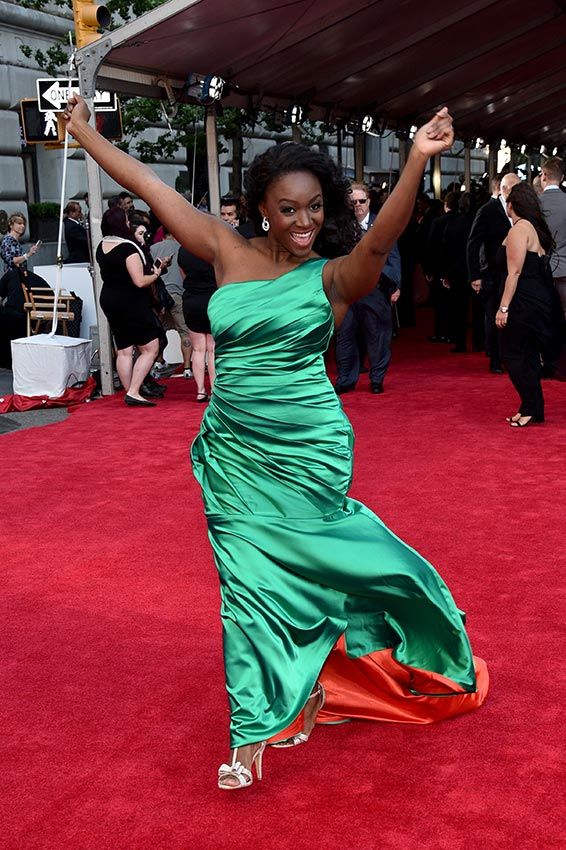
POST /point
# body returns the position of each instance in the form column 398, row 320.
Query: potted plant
column 44, row 221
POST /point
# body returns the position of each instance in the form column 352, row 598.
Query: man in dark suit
column 553, row 203
column 371, row 316
column 489, row 229
column 432, row 267
column 76, row 236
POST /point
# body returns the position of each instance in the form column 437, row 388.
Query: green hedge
column 44, row 210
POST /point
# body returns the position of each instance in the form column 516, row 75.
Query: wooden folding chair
column 39, row 304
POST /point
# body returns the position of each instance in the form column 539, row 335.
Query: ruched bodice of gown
column 275, row 438
column 305, row 571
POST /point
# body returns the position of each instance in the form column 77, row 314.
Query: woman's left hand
column 437, row 135
column 500, row 319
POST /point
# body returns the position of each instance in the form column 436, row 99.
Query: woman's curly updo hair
column 340, row 230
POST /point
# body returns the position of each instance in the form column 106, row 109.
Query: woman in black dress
column 198, row 286
column 529, row 313
column 125, row 300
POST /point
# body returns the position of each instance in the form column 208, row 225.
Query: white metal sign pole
column 87, row 62
column 95, row 216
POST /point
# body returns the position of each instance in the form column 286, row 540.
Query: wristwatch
column 504, row 309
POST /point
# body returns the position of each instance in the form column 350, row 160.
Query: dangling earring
column 265, row 223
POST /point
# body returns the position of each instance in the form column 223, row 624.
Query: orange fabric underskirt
column 376, row 687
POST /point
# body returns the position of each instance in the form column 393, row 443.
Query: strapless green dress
column 300, row 563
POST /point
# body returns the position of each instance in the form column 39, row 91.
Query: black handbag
column 162, row 298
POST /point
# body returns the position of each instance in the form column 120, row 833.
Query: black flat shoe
column 496, row 370
column 152, row 391
column 150, row 382
column 377, row 389
column 136, row 402
column 344, row 388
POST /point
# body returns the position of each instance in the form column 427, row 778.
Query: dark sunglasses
column 356, row 201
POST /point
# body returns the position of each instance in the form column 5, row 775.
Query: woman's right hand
column 157, row 270
column 75, row 112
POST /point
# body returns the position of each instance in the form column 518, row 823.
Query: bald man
column 489, row 229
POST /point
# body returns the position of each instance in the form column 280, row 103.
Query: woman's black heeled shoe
column 203, row 397
column 533, row 420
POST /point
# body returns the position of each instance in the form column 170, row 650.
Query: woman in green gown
column 326, row 614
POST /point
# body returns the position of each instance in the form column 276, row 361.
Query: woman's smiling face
column 293, row 205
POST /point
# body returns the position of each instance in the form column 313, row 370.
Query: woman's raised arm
column 355, row 275
column 200, row 233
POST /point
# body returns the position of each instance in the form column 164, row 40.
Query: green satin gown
column 300, row 563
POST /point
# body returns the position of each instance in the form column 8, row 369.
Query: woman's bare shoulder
column 241, row 260
column 521, row 231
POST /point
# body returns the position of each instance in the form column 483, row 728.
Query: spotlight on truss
column 294, row 114
column 367, row 123
column 212, row 88
column 413, row 131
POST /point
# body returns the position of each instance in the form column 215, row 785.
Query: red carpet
column 113, row 716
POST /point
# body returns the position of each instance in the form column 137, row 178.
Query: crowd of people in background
column 447, row 257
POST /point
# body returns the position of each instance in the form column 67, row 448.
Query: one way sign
column 53, row 94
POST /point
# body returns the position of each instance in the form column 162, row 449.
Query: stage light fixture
column 543, row 150
column 367, row 123
column 413, row 131
column 212, row 88
column 294, row 113
column 554, row 151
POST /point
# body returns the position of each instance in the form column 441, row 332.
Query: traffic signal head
column 89, row 18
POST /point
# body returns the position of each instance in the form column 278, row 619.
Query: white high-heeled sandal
column 301, row 737
column 236, row 770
